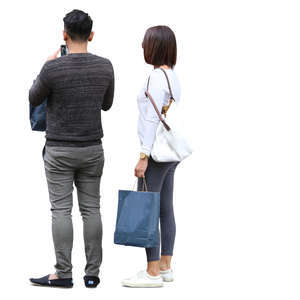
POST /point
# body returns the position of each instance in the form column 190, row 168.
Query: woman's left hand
column 141, row 168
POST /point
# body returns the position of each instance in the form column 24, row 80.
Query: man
column 77, row 87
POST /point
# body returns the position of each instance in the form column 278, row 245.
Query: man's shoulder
column 101, row 60
column 51, row 64
column 66, row 63
column 62, row 60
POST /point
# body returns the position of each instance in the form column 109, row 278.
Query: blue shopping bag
column 138, row 219
column 37, row 116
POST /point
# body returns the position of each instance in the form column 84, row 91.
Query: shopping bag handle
column 144, row 187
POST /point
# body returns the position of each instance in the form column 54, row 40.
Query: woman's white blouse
column 148, row 119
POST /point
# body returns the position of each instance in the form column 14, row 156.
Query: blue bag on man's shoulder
column 37, row 116
column 138, row 219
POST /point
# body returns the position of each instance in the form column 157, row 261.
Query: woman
column 160, row 50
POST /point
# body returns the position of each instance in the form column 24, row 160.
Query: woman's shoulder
column 160, row 72
column 159, row 80
column 158, row 76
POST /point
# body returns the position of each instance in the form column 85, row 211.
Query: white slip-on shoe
column 167, row 275
column 143, row 280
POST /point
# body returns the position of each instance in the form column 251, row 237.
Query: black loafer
column 91, row 281
column 44, row 281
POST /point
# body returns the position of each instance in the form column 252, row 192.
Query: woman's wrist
column 143, row 156
column 141, row 166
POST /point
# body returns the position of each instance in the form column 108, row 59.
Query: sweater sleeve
column 109, row 94
column 40, row 88
column 150, row 117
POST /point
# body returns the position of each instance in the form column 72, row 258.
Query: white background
column 236, row 199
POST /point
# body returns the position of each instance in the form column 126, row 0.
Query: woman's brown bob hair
column 160, row 47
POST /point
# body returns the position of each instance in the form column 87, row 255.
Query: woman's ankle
column 164, row 267
column 165, row 262
column 153, row 268
column 153, row 272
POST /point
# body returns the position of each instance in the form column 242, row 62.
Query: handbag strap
column 168, row 81
column 157, row 111
column 153, row 102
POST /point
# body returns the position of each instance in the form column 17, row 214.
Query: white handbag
column 169, row 145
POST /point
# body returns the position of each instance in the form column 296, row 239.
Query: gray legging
column 160, row 178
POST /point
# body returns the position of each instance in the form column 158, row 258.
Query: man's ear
column 91, row 36
column 65, row 36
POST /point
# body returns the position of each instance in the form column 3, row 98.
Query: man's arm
column 40, row 88
column 109, row 95
column 38, row 92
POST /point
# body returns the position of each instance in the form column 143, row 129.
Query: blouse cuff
column 146, row 151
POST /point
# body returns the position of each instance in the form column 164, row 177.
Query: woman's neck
column 163, row 67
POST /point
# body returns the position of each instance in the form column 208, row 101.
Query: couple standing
column 78, row 86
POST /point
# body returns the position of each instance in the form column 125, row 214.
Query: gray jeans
column 83, row 166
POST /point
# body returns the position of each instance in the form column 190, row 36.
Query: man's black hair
column 78, row 25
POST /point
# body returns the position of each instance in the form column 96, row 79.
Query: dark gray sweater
column 77, row 87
